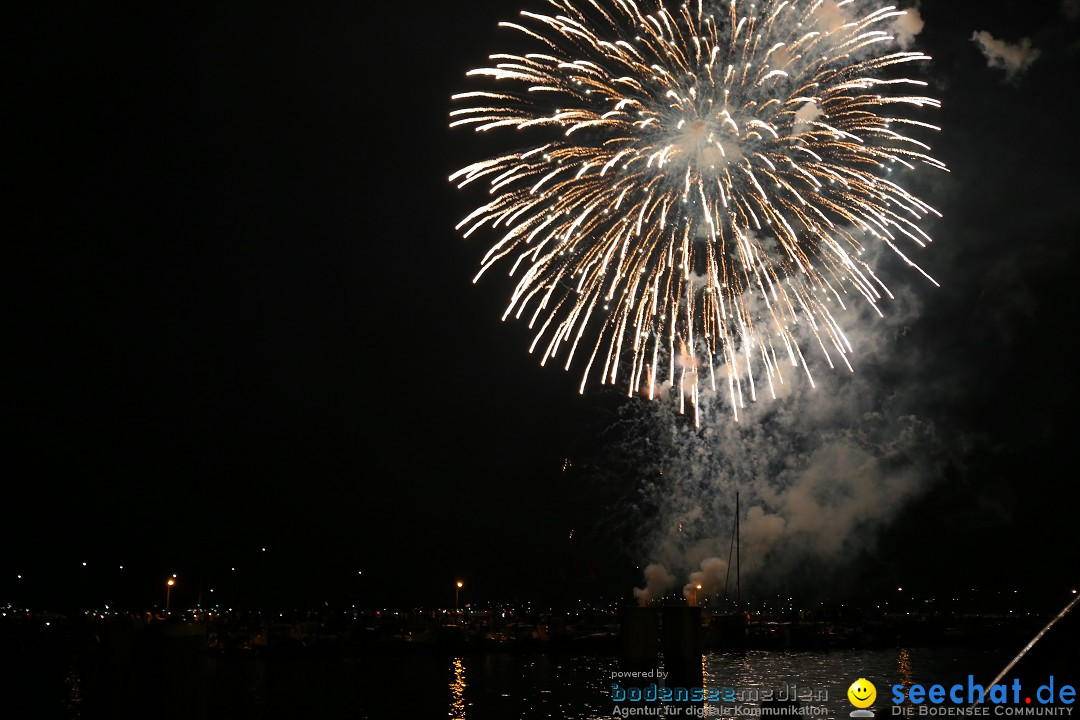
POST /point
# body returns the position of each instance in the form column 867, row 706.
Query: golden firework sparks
column 706, row 187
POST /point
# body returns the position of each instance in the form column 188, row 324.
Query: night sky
column 241, row 319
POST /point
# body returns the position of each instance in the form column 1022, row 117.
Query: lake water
column 502, row 687
column 493, row 686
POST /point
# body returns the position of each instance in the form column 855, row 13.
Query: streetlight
column 697, row 589
column 457, row 594
column 168, row 593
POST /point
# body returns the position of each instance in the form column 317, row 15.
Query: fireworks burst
column 703, row 185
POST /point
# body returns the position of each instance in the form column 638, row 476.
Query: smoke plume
column 1014, row 59
column 819, row 471
column 907, row 26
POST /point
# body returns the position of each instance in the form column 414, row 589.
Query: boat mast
column 738, row 588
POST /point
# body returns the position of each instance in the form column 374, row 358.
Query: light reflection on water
column 531, row 687
column 73, row 696
column 903, row 667
column 457, row 689
column 414, row 686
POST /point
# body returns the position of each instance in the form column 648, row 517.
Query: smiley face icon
column 862, row 693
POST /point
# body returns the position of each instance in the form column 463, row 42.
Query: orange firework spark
column 706, row 185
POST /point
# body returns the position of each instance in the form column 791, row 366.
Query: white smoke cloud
column 657, row 582
column 831, row 15
column 907, row 26
column 1014, row 59
column 818, row 471
column 805, row 116
column 760, row 533
column 713, row 577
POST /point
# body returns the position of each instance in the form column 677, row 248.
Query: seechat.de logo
column 1015, row 698
column 862, row 695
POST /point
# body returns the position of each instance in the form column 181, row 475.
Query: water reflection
column 708, row 679
column 74, row 695
column 457, row 689
column 903, row 666
column 493, row 686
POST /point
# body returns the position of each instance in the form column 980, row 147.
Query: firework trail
column 703, row 184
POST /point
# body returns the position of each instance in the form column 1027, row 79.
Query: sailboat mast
column 738, row 586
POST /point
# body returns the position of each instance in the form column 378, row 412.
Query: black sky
column 241, row 318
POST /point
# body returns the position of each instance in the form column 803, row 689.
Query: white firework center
column 704, row 185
